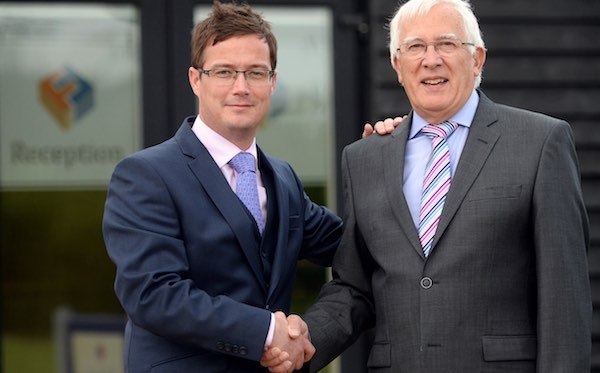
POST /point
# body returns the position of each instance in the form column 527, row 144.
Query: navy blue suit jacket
column 193, row 274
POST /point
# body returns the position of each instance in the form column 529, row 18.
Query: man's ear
column 194, row 78
column 478, row 61
column 396, row 66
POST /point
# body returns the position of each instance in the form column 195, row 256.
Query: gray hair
column 414, row 8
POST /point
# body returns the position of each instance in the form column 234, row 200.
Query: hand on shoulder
column 382, row 127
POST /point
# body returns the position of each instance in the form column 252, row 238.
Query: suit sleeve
column 561, row 236
column 322, row 233
column 143, row 237
column 322, row 228
column 344, row 308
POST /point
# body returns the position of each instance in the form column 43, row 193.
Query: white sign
column 70, row 93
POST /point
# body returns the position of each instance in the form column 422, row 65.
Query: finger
column 296, row 326
column 309, row 350
column 277, row 362
column 389, row 125
column 367, row 130
column 381, row 127
column 280, row 358
column 279, row 314
column 282, row 368
column 273, row 357
column 399, row 120
column 273, row 352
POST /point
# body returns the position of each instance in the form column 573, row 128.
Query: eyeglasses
column 444, row 47
column 254, row 77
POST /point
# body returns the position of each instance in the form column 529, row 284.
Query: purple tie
column 436, row 183
column 246, row 188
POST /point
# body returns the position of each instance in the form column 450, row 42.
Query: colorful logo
column 67, row 96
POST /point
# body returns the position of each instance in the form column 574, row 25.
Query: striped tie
column 246, row 188
column 436, row 183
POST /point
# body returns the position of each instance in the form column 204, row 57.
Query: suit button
column 426, row 282
column 227, row 347
column 243, row 351
column 220, row 345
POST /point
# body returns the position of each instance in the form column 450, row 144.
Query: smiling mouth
column 435, row 81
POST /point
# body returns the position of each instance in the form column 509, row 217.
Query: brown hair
column 226, row 21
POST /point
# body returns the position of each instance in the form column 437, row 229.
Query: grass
column 37, row 354
column 27, row 354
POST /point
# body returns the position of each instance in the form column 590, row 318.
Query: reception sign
column 70, row 93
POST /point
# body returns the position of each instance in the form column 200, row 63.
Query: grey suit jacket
column 505, row 287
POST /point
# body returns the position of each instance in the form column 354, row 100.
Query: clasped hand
column 290, row 347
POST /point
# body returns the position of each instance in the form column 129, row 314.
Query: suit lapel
column 393, row 170
column 281, row 261
column 212, row 180
column 480, row 142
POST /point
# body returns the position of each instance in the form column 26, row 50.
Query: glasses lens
column 258, row 77
column 227, row 77
column 418, row 48
column 447, row 46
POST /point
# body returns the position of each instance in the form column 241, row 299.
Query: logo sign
column 66, row 96
column 68, row 117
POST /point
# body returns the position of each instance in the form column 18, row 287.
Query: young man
column 203, row 278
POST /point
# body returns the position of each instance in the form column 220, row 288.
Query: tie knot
column 243, row 162
column 442, row 130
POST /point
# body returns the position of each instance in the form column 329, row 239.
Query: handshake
column 290, row 347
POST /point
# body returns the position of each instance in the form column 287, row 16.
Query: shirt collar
column 464, row 117
column 221, row 149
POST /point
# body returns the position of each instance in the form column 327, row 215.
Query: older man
column 465, row 231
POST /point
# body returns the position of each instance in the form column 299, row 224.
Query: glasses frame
column 230, row 81
column 436, row 47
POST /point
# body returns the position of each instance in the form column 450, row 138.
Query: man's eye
column 257, row 74
column 447, row 44
column 223, row 73
column 416, row 47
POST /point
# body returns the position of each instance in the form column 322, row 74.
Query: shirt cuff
column 271, row 331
